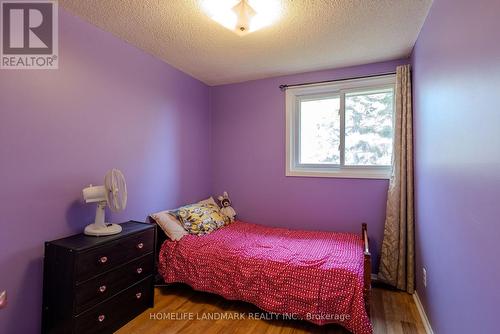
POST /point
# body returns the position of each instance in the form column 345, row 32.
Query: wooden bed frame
column 367, row 268
column 161, row 237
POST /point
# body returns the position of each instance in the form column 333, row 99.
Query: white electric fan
column 114, row 194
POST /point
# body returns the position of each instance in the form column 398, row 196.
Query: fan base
column 99, row 230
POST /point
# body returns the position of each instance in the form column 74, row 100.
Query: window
column 341, row 129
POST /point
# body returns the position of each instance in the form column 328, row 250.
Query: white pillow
column 170, row 225
column 210, row 201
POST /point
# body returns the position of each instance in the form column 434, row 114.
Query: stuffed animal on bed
column 225, row 204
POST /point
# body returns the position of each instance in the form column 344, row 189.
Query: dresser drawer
column 102, row 259
column 97, row 289
column 114, row 313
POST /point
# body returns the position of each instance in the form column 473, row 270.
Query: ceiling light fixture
column 244, row 13
column 243, row 16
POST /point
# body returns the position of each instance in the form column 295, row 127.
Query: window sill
column 345, row 173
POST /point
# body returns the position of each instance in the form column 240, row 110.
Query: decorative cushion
column 169, row 224
column 212, row 201
column 209, row 200
column 201, row 219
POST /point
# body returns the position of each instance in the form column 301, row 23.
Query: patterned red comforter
column 316, row 276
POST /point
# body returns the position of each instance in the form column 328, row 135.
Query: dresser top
column 81, row 241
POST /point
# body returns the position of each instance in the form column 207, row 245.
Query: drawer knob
column 138, row 295
column 139, row 270
column 103, row 259
column 102, row 288
column 101, row 318
column 140, row 245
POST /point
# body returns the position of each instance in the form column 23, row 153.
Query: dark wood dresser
column 98, row 284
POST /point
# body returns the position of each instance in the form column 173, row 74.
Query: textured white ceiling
column 310, row 35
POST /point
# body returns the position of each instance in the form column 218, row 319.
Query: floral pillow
column 201, row 219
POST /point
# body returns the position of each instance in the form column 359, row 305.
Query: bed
column 321, row 277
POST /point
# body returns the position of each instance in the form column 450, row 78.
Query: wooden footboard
column 367, row 267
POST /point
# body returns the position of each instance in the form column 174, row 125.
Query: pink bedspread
column 316, row 276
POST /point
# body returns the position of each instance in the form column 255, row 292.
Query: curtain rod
column 284, row 87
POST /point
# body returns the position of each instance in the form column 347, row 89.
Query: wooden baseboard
column 423, row 315
column 420, row 308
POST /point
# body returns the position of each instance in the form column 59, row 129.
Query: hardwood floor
column 392, row 312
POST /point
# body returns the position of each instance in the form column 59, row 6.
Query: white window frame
column 294, row 95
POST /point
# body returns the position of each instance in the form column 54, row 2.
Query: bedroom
column 187, row 107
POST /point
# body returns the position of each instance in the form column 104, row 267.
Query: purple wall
column 109, row 105
column 248, row 140
column 456, row 65
column 116, row 106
